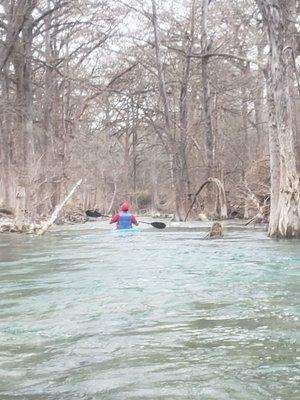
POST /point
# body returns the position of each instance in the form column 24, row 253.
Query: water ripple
column 163, row 315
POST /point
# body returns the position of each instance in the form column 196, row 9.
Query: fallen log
column 46, row 225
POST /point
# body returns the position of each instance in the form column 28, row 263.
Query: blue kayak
column 131, row 231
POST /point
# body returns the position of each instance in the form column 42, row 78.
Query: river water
column 86, row 314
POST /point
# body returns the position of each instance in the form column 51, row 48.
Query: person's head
column 124, row 206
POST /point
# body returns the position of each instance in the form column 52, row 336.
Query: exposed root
column 221, row 197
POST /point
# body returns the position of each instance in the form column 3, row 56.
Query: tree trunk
column 245, row 128
column 244, row 110
column 184, row 179
column 46, row 148
column 20, row 207
column 207, row 108
column 171, row 145
column 274, row 152
column 135, row 111
column 258, row 106
column 7, row 184
column 24, row 103
column 285, row 212
column 206, row 94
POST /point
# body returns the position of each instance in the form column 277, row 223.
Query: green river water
column 86, row 314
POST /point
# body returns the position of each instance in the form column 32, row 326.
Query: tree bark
column 7, row 184
column 46, row 147
column 183, row 113
column 170, row 144
column 207, row 108
column 285, row 212
column 274, row 153
column 206, row 93
column 258, row 105
column 22, row 54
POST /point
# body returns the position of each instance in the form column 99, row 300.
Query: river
column 164, row 315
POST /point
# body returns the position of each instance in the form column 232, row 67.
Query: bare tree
column 285, row 191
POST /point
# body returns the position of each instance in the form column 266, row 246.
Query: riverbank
column 70, row 215
column 75, row 215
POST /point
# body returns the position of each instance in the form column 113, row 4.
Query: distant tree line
column 147, row 102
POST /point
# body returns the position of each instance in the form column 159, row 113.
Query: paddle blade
column 158, row 225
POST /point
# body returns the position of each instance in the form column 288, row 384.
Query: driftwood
column 216, row 231
column 263, row 211
column 46, row 225
column 221, row 197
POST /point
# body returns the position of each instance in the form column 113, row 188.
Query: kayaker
column 124, row 218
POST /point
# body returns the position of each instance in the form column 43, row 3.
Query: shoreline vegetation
column 76, row 215
column 9, row 222
column 192, row 110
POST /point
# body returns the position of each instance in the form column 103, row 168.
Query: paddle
column 96, row 214
column 158, row 225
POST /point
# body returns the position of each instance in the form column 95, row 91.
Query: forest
column 151, row 102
